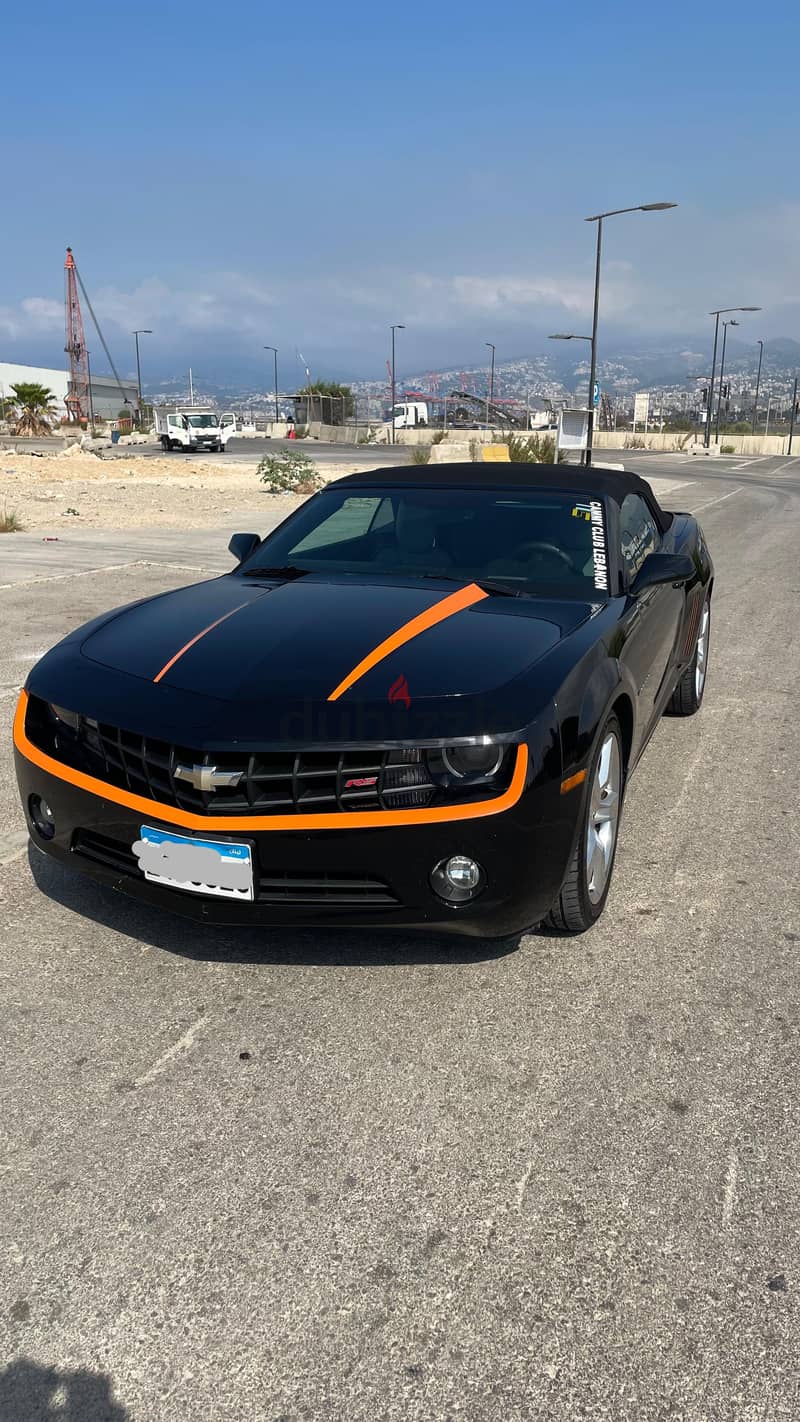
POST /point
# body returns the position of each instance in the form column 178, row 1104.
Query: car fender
column 587, row 699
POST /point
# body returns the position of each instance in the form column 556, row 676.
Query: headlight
column 66, row 718
column 473, row 762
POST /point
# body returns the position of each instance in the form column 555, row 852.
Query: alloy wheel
column 604, row 807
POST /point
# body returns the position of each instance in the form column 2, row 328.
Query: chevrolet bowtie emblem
column 207, row 777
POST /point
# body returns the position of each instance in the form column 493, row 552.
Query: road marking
column 785, row 465
column 12, row 846
column 183, row 1044
column 111, row 568
column 720, row 500
column 731, row 1178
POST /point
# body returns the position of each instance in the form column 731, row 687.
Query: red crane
column 77, row 400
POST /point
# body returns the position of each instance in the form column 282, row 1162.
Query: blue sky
column 305, row 175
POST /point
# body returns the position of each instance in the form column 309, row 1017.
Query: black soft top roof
column 593, row 482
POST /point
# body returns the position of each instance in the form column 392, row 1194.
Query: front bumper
column 524, row 852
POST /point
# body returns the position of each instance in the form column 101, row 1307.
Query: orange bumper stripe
column 238, row 824
column 455, row 602
column 197, row 638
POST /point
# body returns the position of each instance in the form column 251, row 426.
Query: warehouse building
column 108, row 398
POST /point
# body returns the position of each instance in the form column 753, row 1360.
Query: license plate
column 200, row 866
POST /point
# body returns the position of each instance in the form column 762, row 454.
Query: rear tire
column 588, row 879
column 687, row 698
column 166, row 443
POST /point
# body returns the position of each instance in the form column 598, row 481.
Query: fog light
column 457, row 879
column 42, row 817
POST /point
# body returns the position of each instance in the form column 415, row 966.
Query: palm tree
column 33, row 409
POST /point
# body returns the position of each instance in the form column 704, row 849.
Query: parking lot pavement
column 336, row 1176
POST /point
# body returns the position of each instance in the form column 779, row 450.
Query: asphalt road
column 305, row 1177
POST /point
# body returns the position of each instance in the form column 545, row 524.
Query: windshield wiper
column 285, row 573
column 485, row 584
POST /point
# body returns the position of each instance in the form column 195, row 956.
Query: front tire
column 687, row 698
column 588, row 879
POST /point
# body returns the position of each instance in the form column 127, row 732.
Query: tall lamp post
column 723, row 311
column 141, row 332
column 398, row 327
column 725, row 326
column 275, row 353
column 599, row 219
column 490, row 399
column 758, row 383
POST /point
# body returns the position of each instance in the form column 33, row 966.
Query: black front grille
column 267, row 782
column 271, row 887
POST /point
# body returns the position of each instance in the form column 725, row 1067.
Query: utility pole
column 758, row 384
column 275, row 353
column 191, row 387
column 398, row 327
column 141, row 332
column 89, row 392
column 490, row 399
column 792, row 417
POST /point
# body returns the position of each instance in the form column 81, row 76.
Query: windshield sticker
column 599, row 546
column 582, row 511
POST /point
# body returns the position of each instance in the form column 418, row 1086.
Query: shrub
column 727, row 449
column 634, row 442
column 289, row 473
column 440, row 436
column 421, row 454
column 474, row 450
column 533, row 449
column 9, row 523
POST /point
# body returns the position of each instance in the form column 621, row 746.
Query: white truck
column 410, row 414
column 191, row 428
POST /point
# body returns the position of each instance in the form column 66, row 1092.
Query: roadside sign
column 596, row 394
column 641, row 408
column 573, row 430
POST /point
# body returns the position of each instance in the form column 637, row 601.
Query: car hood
column 232, row 640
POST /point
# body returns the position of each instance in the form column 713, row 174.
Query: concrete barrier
column 678, row 442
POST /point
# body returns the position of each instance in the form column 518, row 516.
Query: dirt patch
column 133, row 491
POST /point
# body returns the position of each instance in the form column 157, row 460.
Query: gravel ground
column 44, row 490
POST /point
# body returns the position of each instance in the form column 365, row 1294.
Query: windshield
column 551, row 542
column 203, row 422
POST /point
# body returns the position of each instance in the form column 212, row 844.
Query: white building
column 55, row 380
column 107, row 396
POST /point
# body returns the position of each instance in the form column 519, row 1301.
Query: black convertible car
column 417, row 703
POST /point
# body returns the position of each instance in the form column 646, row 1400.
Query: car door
column 654, row 618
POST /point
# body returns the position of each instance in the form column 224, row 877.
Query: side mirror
column 243, row 544
column 662, row 568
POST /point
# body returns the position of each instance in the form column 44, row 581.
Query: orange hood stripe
column 239, row 824
column 455, row 602
column 205, row 631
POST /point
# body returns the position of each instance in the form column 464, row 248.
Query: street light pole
column 723, row 311
column 398, row 327
column 141, row 332
column 758, row 384
column 598, row 218
column 275, row 352
column 490, row 400
column 725, row 326
column 792, row 416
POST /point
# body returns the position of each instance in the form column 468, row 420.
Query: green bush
column 9, row 523
column 289, row 473
column 634, row 442
column 421, row 454
column 440, row 436
column 727, row 449
column 533, row 449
